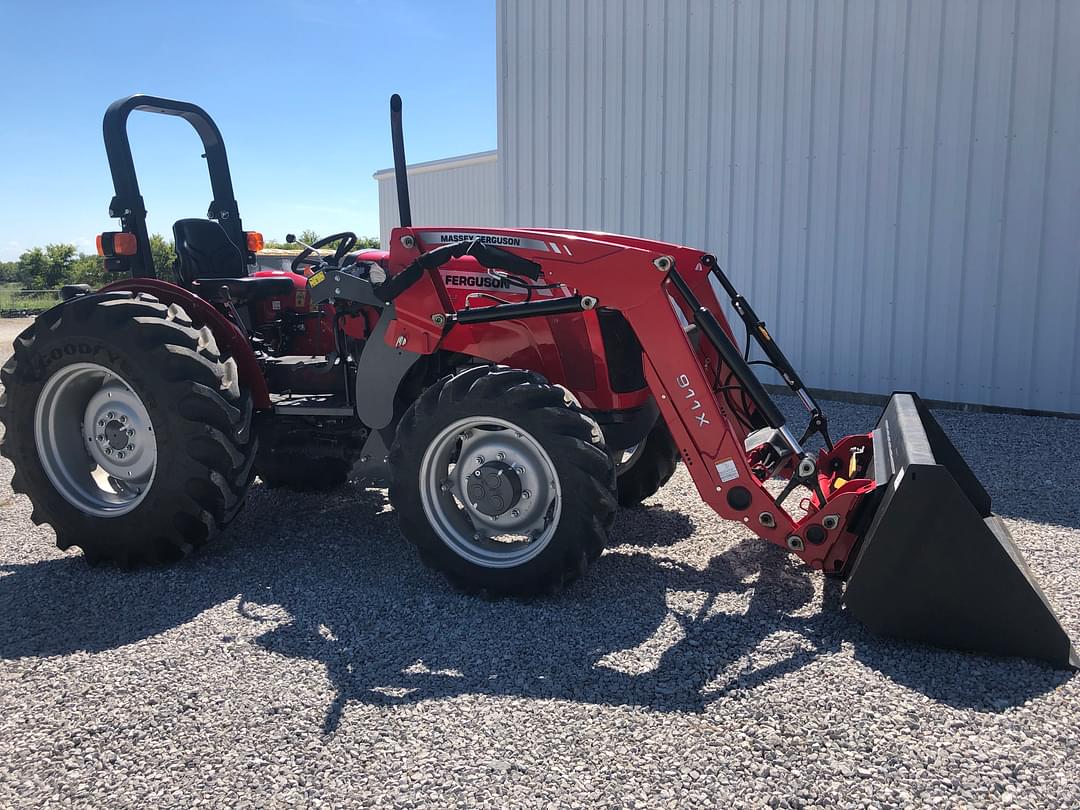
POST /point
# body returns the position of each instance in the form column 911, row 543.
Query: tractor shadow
column 651, row 526
column 640, row 629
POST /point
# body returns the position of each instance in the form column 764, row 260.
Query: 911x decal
column 695, row 404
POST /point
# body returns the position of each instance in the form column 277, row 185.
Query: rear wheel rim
column 95, row 440
column 521, row 503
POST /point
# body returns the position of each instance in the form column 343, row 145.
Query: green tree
column 310, row 236
column 31, row 268
column 164, row 255
column 48, row 268
column 60, row 258
column 9, row 272
column 89, row 269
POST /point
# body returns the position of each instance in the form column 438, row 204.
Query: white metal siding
column 894, row 184
column 456, row 191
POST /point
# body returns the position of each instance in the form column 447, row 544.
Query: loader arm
column 692, row 367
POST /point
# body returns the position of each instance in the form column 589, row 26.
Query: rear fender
column 230, row 339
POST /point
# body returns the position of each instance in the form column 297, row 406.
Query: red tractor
column 512, row 385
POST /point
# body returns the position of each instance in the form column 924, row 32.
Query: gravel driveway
column 309, row 659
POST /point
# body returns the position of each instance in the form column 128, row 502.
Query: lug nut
column 526, row 494
column 130, row 432
column 476, row 474
column 110, row 415
column 120, row 454
column 479, row 459
column 515, row 513
column 500, row 456
column 445, row 486
column 130, row 447
column 100, row 437
column 519, row 470
column 123, row 419
column 101, row 422
column 108, row 451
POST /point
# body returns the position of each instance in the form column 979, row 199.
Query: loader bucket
column 934, row 564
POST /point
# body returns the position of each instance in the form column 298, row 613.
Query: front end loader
column 894, row 511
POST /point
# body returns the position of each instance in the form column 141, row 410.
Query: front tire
column 127, row 428
column 501, row 484
column 648, row 466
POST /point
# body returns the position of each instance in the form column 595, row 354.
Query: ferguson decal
column 475, row 280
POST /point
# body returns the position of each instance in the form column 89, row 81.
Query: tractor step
column 313, row 405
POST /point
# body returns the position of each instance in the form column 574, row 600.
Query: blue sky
column 300, row 91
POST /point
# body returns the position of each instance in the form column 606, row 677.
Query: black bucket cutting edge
column 935, row 565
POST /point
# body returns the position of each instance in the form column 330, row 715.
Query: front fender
column 229, row 338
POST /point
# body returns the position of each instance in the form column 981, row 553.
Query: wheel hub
column 494, row 488
column 491, row 491
column 95, row 439
column 122, row 435
column 116, row 435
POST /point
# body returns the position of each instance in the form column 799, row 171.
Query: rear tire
column 520, row 433
column 649, row 467
column 197, row 427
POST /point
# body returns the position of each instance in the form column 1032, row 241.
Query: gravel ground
column 310, row 659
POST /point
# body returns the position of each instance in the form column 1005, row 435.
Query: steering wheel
column 348, row 242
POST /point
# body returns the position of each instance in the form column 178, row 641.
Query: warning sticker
column 727, row 470
column 316, row 279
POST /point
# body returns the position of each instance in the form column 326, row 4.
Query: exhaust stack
column 400, row 176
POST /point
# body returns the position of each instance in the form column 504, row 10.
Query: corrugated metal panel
column 895, row 184
column 457, row 191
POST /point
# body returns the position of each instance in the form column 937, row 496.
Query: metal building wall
column 895, row 184
column 455, row 191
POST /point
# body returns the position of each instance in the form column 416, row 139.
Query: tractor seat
column 207, row 260
column 204, row 250
column 244, row 290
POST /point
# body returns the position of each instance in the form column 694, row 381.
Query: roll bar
column 127, row 204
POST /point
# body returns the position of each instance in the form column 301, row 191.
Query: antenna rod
column 404, row 209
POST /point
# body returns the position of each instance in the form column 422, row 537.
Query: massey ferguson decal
column 432, row 238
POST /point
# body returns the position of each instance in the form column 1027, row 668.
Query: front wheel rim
column 628, row 457
column 505, row 516
column 95, row 440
